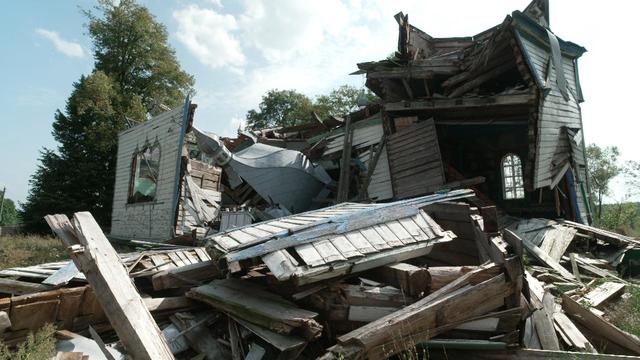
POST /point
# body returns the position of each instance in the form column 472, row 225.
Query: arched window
column 512, row 183
column 145, row 167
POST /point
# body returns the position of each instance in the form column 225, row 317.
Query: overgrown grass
column 625, row 313
column 25, row 250
column 38, row 346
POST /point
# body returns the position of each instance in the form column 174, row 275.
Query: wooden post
column 345, row 163
column 95, row 257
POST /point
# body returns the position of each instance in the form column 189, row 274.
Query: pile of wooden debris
column 427, row 275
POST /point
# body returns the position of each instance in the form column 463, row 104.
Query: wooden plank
column 543, row 320
column 309, row 255
column 177, row 260
column 410, row 279
column 557, row 240
column 546, row 260
column 387, row 235
column 368, row 313
column 400, row 232
column 283, row 343
column 280, row 263
column 576, row 339
column 167, row 303
column 426, row 318
column 386, row 296
column 202, row 254
column 16, row 287
column 374, row 238
column 359, row 242
column 63, row 275
column 250, row 303
column 95, row 257
column 443, row 275
column 602, row 294
column 185, row 276
column 345, row 247
column 328, row 252
column 600, row 326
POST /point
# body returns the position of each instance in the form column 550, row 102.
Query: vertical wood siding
column 152, row 220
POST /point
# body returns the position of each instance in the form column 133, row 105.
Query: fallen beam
column 92, row 253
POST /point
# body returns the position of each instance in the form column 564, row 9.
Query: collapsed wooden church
column 398, row 229
column 498, row 112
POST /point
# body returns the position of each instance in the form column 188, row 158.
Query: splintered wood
column 96, row 258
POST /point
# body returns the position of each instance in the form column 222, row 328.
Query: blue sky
column 237, row 50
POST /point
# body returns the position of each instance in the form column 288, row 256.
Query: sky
column 238, row 50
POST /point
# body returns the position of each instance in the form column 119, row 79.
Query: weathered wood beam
column 92, row 253
column 410, row 279
column 599, row 326
column 446, row 104
column 482, row 78
column 185, row 276
column 16, row 287
column 345, row 163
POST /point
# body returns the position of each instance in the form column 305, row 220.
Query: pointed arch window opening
column 512, row 180
column 145, row 168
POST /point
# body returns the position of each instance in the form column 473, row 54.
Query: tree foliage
column 131, row 47
column 289, row 107
column 280, row 108
column 603, row 167
column 134, row 71
column 10, row 214
column 342, row 101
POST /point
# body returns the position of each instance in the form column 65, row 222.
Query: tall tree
column 289, row 107
column 135, row 70
column 342, row 101
column 131, row 48
column 10, row 215
column 280, row 108
column 603, row 167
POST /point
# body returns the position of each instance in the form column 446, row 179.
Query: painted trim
column 176, row 184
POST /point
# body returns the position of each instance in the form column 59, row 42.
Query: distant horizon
column 239, row 50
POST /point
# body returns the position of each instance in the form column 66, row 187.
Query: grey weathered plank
column 93, row 254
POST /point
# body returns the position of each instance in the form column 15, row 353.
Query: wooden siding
column 553, row 146
column 154, row 220
column 380, row 184
column 414, row 160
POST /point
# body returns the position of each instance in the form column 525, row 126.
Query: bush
column 38, row 346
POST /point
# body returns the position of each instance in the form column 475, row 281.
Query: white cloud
column 208, row 36
column 68, row 48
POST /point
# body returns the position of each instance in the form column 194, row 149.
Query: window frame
column 516, row 172
column 133, row 172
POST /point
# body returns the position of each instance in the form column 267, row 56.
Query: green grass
column 25, row 250
column 625, row 313
column 38, row 346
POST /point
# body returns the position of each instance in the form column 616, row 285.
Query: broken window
column 145, row 167
column 512, row 177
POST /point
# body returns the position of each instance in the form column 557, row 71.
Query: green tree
column 288, row 107
column 131, row 48
column 632, row 177
column 10, row 215
column 280, row 108
column 603, row 167
column 135, row 70
column 622, row 217
column 341, row 101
